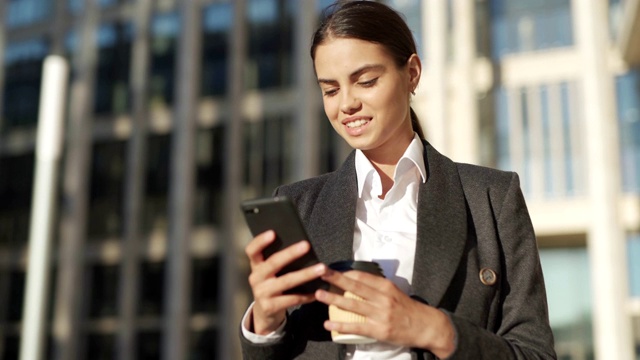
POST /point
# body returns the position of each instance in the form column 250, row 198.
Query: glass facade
column 164, row 32
column 412, row 12
column 23, row 71
column 15, row 192
column 270, row 44
column 530, row 25
column 537, row 128
column 112, row 94
column 106, row 190
column 628, row 109
column 215, row 51
column 633, row 254
column 209, row 200
column 25, row 12
column 154, row 210
column 566, row 272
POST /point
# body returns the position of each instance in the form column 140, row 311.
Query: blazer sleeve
column 524, row 331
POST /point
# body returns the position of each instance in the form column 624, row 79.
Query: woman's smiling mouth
column 357, row 123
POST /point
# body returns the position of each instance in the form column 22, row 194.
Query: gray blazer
column 469, row 218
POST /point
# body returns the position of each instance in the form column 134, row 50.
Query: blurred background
column 177, row 110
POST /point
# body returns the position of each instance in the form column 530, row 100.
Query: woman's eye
column 330, row 92
column 368, row 83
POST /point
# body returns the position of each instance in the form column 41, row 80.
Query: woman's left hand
column 392, row 316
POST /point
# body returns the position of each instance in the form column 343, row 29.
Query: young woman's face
column 366, row 95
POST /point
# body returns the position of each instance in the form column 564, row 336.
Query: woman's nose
column 350, row 103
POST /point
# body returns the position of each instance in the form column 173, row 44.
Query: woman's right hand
column 270, row 304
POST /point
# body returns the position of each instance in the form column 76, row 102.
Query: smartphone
column 280, row 215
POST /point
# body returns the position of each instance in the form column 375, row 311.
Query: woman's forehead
column 349, row 55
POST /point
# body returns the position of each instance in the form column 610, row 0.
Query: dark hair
column 369, row 21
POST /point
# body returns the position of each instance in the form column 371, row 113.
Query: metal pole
column 48, row 149
column 74, row 208
column 181, row 193
column 135, row 184
column 228, row 342
column 308, row 104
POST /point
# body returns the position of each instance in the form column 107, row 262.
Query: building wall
column 177, row 110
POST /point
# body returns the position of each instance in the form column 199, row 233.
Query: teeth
column 357, row 123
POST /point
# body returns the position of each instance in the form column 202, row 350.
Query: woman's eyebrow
column 356, row 73
column 364, row 69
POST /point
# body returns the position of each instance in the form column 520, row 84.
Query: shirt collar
column 414, row 154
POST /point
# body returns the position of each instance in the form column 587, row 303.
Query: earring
column 413, row 92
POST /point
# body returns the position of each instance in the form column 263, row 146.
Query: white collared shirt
column 385, row 232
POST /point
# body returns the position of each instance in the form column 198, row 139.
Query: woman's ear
column 414, row 65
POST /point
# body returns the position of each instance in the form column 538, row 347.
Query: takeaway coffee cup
column 337, row 314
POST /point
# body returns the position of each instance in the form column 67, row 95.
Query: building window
column 270, row 44
column 76, row 6
column 23, row 74
column 103, row 300
column 566, row 272
column 148, row 344
column 202, row 344
column 15, row 192
column 15, row 300
column 269, row 153
column 26, row 12
column 530, row 25
column 164, row 32
column 615, row 17
column 100, row 346
column 112, row 73
column 106, row 194
column 633, row 261
column 411, row 10
column 204, row 286
column 216, row 26
column 157, row 183
column 210, row 160
column 151, row 288
column 628, row 108
column 11, row 347
column 538, row 132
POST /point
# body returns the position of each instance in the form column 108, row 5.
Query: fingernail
column 319, row 269
column 302, row 246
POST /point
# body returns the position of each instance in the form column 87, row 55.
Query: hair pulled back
column 369, row 21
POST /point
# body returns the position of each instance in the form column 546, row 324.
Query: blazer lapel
column 442, row 228
column 334, row 215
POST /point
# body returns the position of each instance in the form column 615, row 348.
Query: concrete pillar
column 605, row 238
column 435, row 80
column 465, row 122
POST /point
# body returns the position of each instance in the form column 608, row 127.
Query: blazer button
column 488, row 276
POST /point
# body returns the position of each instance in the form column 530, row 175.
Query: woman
column 462, row 273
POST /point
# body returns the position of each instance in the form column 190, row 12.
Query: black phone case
column 280, row 215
